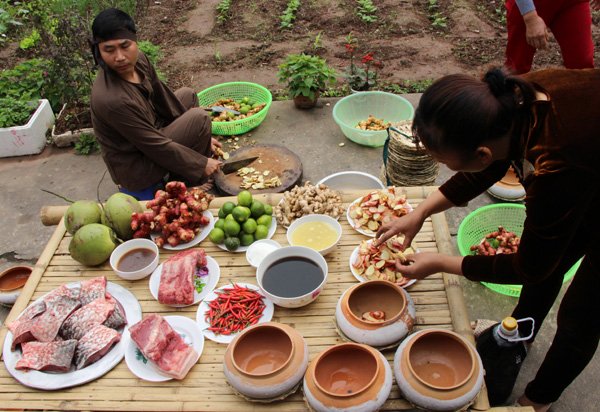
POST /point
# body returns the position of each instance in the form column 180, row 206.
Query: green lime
column 255, row 105
column 231, row 228
column 222, row 213
column 257, row 209
column 244, row 198
column 244, row 109
column 216, row 235
column 268, row 209
column 220, row 223
column 245, row 99
column 232, row 243
column 228, row 207
column 250, row 102
column 264, row 220
column 239, row 214
column 229, row 217
column 246, row 239
column 261, row 232
column 249, row 226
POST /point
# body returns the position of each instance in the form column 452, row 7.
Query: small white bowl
column 258, row 250
column 316, row 218
column 130, row 245
column 286, row 252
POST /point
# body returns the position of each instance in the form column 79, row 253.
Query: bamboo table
column 438, row 299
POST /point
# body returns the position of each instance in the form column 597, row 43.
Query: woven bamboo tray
column 439, row 303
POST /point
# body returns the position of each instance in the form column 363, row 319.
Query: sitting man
column 147, row 133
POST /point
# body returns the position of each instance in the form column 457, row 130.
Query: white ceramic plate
column 214, row 274
column 53, row 380
column 145, row 369
column 199, row 237
column 203, row 308
column 360, row 278
column 272, row 230
column 359, row 229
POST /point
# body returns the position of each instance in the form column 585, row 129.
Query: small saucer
column 258, row 250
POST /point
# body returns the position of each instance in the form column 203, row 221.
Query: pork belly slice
column 83, row 319
column 92, row 289
column 94, row 345
column 160, row 343
column 47, row 356
column 118, row 318
column 177, row 278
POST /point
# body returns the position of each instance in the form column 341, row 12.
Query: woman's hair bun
column 496, row 81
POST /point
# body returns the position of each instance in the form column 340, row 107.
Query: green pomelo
column 117, row 214
column 92, row 244
column 81, row 213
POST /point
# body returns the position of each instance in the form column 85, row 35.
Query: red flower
column 349, row 47
column 367, row 58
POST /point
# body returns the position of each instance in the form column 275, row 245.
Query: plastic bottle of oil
column 502, row 351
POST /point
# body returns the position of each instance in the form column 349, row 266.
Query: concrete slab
column 315, row 137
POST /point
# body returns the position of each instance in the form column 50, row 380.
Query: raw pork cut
column 83, row 319
column 118, row 317
column 92, row 289
column 94, row 345
column 60, row 303
column 47, row 356
column 162, row 345
column 177, row 278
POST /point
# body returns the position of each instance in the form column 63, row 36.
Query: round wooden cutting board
column 276, row 159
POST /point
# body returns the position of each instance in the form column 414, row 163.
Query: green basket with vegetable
column 485, row 220
column 247, row 96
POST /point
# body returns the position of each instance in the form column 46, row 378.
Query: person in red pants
column 528, row 21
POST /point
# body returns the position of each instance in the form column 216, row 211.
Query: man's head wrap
column 110, row 24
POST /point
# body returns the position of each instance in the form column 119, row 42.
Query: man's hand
column 536, row 31
column 214, row 144
column 408, row 225
column 212, row 166
column 421, row 265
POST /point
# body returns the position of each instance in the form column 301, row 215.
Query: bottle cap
column 509, row 323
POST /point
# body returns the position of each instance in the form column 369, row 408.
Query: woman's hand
column 214, row 144
column 421, row 265
column 408, row 225
column 536, row 31
column 212, row 165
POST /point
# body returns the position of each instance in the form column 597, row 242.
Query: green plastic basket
column 237, row 91
column 486, row 219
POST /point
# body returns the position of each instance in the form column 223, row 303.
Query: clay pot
column 349, row 377
column 266, row 361
column 12, row 281
column 438, row 370
column 305, row 102
column 370, row 296
column 508, row 188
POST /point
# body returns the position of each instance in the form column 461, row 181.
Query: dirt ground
column 248, row 46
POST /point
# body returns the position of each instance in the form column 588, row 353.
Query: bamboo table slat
column 438, row 299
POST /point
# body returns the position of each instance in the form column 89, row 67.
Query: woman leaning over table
column 547, row 125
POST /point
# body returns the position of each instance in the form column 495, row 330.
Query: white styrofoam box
column 30, row 138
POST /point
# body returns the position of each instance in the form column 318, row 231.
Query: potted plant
column 306, row 76
column 360, row 78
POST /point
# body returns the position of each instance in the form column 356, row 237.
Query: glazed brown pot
column 349, row 376
column 375, row 296
column 438, row 370
column 305, row 102
column 266, row 361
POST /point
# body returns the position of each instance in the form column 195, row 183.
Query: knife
column 220, row 109
column 234, row 165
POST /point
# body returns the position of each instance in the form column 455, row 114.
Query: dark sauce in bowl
column 291, row 277
column 135, row 260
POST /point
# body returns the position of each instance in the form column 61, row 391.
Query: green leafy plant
column 289, row 15
column 15, row 112
column 30, row 41
column 25, row 81
column 6, row 22
column 154, row 55
column 317, row 43
column 87, row 144
column 436, row 18
column 223, row 11
column 304, row 75
column 366, row 11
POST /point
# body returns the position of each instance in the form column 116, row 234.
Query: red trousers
column 571, row 24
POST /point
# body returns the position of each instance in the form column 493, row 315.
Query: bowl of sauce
column 292, row 276
column 12, row 281
column 134, row 259
column 318, row 232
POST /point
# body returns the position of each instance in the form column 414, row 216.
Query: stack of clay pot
column 438, row 370
column 266, row 362
column 375, row 296
column 348, row 377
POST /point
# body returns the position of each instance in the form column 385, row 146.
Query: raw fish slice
column 28, row 314
column 47, row 356
column 94, row 345
column 92, row 289
column 83, row 319
column 160, row 343
column 118, row 318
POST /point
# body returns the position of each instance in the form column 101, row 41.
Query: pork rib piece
column 177, row 278
column 94, row 345
column 60, row 303
column 83, row 319
column 92, row 289
column 47, row 356
column 162, row 345
column 118, row 317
